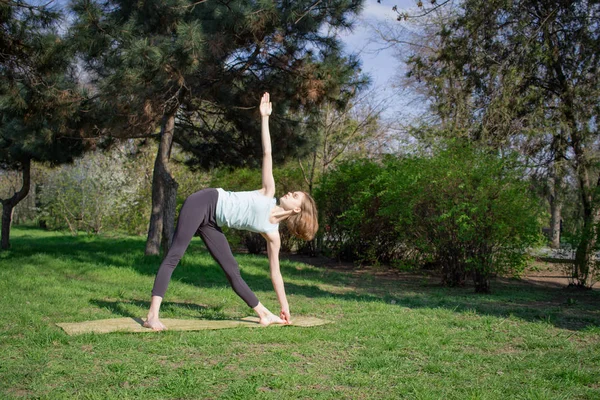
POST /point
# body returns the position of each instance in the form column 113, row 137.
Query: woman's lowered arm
column 273, row 246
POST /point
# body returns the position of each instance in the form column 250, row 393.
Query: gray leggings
column 198, row 215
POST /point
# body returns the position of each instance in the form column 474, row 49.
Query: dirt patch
column 540, row 273
column 318, row 261
column 20, row 392
column 551, row 274
column 380, row 271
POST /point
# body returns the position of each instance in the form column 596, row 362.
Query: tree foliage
column 354, row 130
column 39, row 98
column 196, row 69
column 524, row 75
column 210, row 61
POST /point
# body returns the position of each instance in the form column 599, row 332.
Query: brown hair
column 305, row 224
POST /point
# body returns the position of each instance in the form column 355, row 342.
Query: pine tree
column 194, row 71
column 38, row 97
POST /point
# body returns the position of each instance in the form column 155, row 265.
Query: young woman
column 208, row 210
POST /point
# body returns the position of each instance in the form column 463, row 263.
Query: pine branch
column 425, row 13
column 30, row 7
column 307, row 11
column 192, row 5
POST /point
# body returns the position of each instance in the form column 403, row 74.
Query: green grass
column 394, row 336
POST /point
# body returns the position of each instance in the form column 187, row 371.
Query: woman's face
column 292, row 201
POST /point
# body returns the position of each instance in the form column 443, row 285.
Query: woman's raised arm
column 268, row 182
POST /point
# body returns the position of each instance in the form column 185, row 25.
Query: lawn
column 394, row 336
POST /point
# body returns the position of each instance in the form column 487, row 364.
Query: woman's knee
column 172, row 259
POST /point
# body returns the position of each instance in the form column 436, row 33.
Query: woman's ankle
column 154, row 307
column 261, row 311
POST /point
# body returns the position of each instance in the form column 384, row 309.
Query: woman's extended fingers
column 265, row 104
column 285, row 315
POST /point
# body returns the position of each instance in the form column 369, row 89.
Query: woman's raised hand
column 265, row 105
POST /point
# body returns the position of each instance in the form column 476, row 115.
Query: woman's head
column 303, row 222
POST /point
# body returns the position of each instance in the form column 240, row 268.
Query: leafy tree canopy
column 210, row 61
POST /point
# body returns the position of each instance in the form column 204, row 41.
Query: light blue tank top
column 249, row 211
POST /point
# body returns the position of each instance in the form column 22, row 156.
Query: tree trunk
column 169, row 213
column 164, row 189
column 555, row 213
column 584, row 255
column 482, row 281
column 8, row 205
column 453, row 271
column 555, row 223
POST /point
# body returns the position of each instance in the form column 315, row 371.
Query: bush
column 349, row 214
column 88, row 195
column 470, row 210
column 464, row 211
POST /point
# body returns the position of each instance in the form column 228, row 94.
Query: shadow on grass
column 564, row 308
column 191, row 310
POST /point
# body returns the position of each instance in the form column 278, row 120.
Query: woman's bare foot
column 154, row 324
column 152, row 320
column 270, row 319
column 267, row 317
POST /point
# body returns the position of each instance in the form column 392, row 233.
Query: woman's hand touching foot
column 267, row 317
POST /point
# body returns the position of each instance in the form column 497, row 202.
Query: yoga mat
column 135, row 324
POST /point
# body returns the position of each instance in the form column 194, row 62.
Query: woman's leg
column 219, row 248
column 194, row 212
column 217, row 245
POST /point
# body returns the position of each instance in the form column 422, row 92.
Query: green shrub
column 349, row 214
column 467, row 211
column 463, row 211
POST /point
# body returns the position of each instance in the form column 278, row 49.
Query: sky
column 377, row 61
